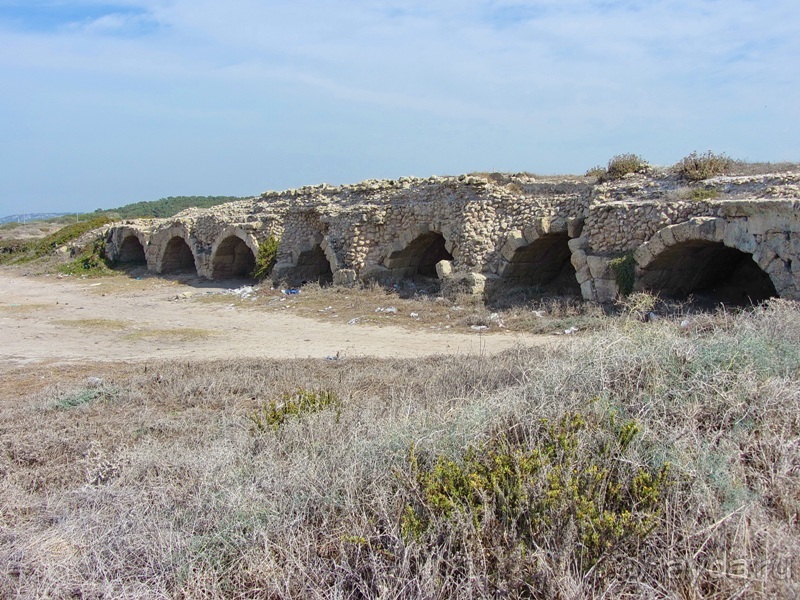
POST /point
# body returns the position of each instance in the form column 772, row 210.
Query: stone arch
column 131, row 251
column 177, row 257
column 233, row 254
column 316, row 261
column 418, row 253
column 538, row 261
column 706, row 257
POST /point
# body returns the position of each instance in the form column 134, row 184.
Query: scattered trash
column 456, row 308
column 334, row 357
column 479, row 327
column 538, row 313
column 290, row 291
column 325, row 309
column 685, row 324
column 414, row 315
column 390, row 309
column 244, row 292
column 183, row 296
column 571, row 330
column 354, row 321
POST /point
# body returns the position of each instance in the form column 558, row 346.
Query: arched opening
column 313, row 265
column 178, row 257
column 233, row 258
column 131, row 253
column 708, row 271
column 543, row 265
column 419, row 257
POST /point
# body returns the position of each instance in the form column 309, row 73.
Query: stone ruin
column 485, row 232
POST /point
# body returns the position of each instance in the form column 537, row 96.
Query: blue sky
column 103, row 103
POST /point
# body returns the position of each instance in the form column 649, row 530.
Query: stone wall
column 491, row 227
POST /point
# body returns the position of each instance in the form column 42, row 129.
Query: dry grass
column 153, row 482
column 517, row 310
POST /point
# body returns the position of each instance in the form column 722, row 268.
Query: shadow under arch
column 312, row 265
column 543, row 265
column 419, row 257
column 178, row 257
column 709, row 271
column 233, row 258
column 131, row 252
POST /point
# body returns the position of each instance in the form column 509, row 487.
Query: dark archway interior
column 233, row 259
column 708, row 271
column 420, row 256
column 131, row 252
column 544, row 264
column 313, row 265
column 178, row 257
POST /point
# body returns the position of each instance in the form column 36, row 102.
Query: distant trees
column 170, row 206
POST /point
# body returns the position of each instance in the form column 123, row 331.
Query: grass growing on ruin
column 645, row 460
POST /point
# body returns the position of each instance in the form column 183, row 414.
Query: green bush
column 267, row 253
column 700, row 194
column 534, row 490
column 624, row 268
column 623, row 164
column 302, row 402
column 697, row 167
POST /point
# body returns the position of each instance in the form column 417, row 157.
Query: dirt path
column 52, row 319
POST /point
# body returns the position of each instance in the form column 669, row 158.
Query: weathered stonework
column 475, row 231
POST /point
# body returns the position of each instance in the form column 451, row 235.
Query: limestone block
column 587, row 290
column 553, row 225
column 531, row 234
column 578, row 259
column 683, row 232
column 598, row 266
column 667, row 237
column 514, row 242
column 344, row 277
column 581, row 243
column 644, row 254
column 583, row 274
column 606, row 290
column 737, row 236
column 444, row 268
column 574, row 227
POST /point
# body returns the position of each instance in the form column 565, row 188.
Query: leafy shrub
column 697, row 167
column 700, row 194
column 623, row 164
column 65, row 235
column 302, row 402
column 91, row 262
column 597, row 172
column 267, row 253
column 624, row 268
column 533, row 491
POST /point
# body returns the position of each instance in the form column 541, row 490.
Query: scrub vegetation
column 656, row 459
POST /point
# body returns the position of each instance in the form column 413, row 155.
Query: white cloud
column 580, row 77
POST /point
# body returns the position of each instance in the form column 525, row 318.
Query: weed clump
column 303, row 402
column 267, row 254
column 697, row 167
column 531, row 492
column 624, row 164
column 624, row 268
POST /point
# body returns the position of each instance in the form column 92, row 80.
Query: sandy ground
column 51, row 319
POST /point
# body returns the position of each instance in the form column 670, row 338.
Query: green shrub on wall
column 624, row 164
column 267, row 253
column 697, row 167
column 624, row 268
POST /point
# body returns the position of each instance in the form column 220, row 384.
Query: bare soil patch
column 132, row 318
